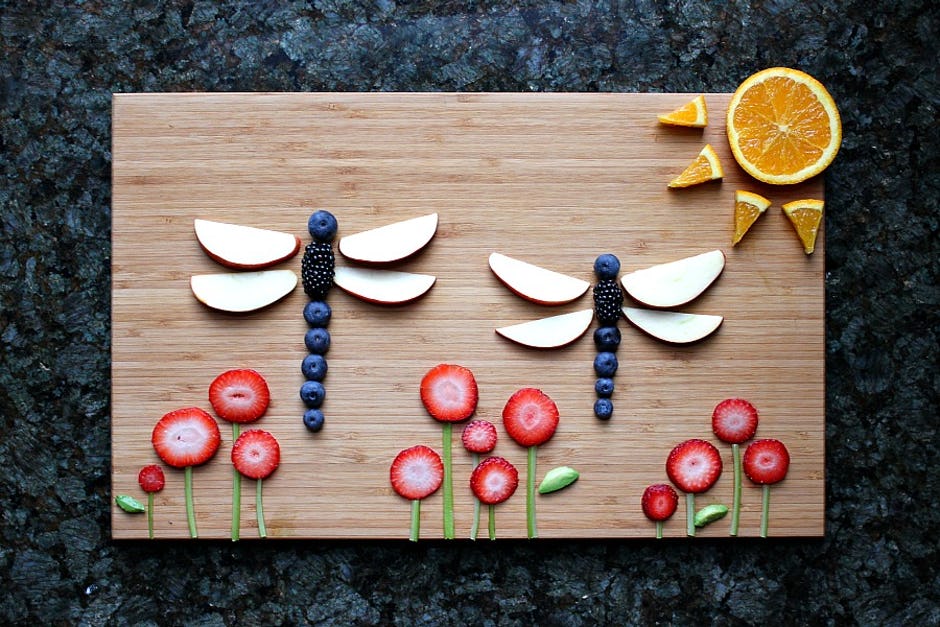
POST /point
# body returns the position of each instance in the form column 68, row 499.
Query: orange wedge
column 748, row 206
column 692, row 113
column 783, row 126
column 805, row 215
column 705, row 167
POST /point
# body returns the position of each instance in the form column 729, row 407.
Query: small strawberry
column 493, row 481
column 256, row 454
column 694, row 466
column 151, row 479
column 659, row 503
column 416, row 473
column 766, row 462
column 239, row 395
column 734, row 420
column 479, row 436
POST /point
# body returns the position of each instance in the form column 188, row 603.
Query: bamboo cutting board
column 553, row 179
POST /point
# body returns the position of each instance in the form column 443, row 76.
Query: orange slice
column 783, row 126
column 705, row 167
column 748, row 206
column 692, row 113
column 805, row 215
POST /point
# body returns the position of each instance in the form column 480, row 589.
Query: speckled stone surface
column 59, row 64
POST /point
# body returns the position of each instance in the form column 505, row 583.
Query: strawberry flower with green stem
column 416, row 473
column 151, row 480
column 766, row 462
column 734, row 420
column 256, row 454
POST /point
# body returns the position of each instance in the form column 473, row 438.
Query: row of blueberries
column 608, row 300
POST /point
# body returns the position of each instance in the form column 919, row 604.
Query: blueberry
column 313, row 419
column 605, row 364
column 313, row 367
column 312, row 393
column 607, row 338
column 604, row 387
column 606, row 266
column 603, row 408
column 322, row 225
column 317, row 313
column 317, row 340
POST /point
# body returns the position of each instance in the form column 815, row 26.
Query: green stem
column 259, row 507
column 690, row 514
column 236, row 493
column 448, row 483
column 150, row 514
column 530, row 493
column 736, row 498
column 659, row 530
column 475, row 527
column 492, row 516
column 765, row 510
column 415, row 520
column 190, row 508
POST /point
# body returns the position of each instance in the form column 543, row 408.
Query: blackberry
column 316, row 269
column 608, row 300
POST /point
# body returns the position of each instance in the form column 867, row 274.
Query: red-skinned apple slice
column 244, row 247
column 391, row 242
column 549, row 332
column 671, row 326
column 674, row 283
column 535, row 283
column 384, row 287
column 243, row 291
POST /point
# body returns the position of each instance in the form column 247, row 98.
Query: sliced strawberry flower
column 416, row 473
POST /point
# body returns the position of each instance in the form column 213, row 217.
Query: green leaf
column 129, row 504
column 558, row 478
column 709, row 514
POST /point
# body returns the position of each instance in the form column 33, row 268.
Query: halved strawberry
column 734, row 420
column 694, row 465
column 256, row 454
column 151, row 478
column 766, row 461
column 417, row 472
column 186, row 437
column 494, row 480
column 479, row 436
column 530, row 417
column 659, row 501
column 449, row 393
column 239, row 395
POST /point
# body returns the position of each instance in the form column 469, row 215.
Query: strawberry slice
column 449, row 393
column 417, row 472
column 494, row 480
column 151, row 478
column 766, row 461
column 186, row 437
column 659, row 503
column 734, row 420
column 239, row 395
column 694, row 466
column 256, row 454
column 530, row 417
column 479, row 436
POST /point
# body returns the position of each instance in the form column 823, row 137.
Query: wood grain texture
column 553, row 179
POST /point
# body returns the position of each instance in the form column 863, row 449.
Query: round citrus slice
column 693, row 113
column 805, row 215
column 748, row 206
column 705, row 167
column 783, row 126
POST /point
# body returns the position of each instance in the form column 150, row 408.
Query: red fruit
column 734, row 420
column 256, row 454
column 659, row 501
column 151, row 478
column 186, row 437
column 417, row 472
column 766, row 461
column 449, row 393
column 494, row 480
column 694, row 465
column 239, row 395
column 530, row 417
column 479, row 436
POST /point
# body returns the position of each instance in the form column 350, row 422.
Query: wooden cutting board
column 553, row 179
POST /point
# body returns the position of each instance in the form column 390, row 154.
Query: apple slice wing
column 535, row 283
column 391, row 242
column 672, row 326
column 243, row 291
column 674, row 283
column 244, row 247
column 385, row 287
column 549, row 332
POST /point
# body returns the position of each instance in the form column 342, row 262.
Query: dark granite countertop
column 877, row 565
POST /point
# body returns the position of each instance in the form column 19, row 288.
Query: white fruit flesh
column 387, row 287
column 549, row 332
column 243, row 291
column 535, row 283
column 675, row 283
column 391, row 242
column 671, row 326
column 244, row 247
